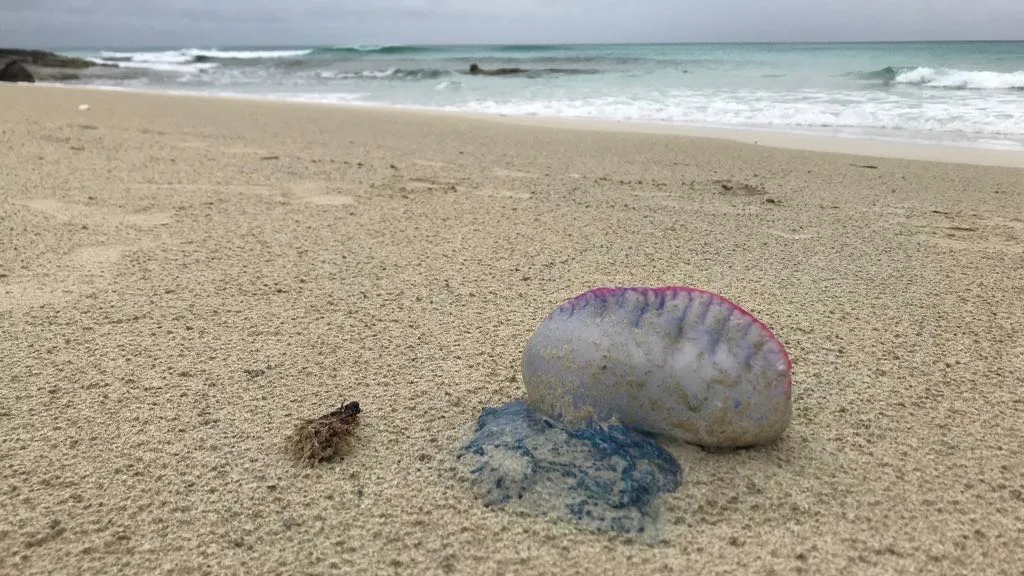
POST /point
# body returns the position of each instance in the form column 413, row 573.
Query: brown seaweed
column 326, row 437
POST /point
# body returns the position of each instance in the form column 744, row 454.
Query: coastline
column 838, row 144
column 185, row 278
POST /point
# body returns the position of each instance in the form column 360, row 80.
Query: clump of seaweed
column 326, row 437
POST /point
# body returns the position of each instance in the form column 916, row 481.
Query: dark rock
column 45, row 59
column 15, row 71
column 48, row 66
column 478, row 71
column 607, row 479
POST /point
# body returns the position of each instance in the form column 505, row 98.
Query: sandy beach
column 182, row 278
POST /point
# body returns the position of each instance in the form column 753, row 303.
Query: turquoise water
column 959, row 92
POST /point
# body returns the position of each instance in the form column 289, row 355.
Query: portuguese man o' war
column 671, row 361
column 604, row 478
column 606, row 373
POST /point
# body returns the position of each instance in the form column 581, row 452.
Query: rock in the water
column 15, row 71
column 476, row 70
column 607, row 479
column 673, row 361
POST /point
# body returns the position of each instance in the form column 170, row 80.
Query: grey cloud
column 224, row 22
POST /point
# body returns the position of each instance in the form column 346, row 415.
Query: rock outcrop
column 44, row 59
column 40, row 65
column 15, row 71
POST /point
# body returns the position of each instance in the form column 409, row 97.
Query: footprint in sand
column 330, row 200
column 431, row 163
column 56, row 288
column 972, row 232
column 60, row 210
column 513, row 173
column 69, row 212
column 979, row 245
column 97, row 256
column 504, row 194
column 31, row 294
column 422, row 184
column 322, row 193
column 149, row 219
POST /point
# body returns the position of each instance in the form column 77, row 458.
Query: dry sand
column 181, row 279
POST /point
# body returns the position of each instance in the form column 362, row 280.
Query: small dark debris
column 731, row 188
column 320, row 439
column 940, row 212
column 254, row 372
column 271, row 157
column 962, row 228
column 77, row 148
column 393, row 167
column 772, row 201
column 868, row 166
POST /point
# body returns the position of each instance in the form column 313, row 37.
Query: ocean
column 960, row 93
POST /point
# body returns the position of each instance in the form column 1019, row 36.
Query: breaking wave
column 947, row 78
column 190, row 60
column 388, row 74
column 374, row 49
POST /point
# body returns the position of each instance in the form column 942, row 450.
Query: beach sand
column 183, row 278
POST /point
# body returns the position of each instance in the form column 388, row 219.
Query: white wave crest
column 448, row 85
column 843, row 111
column 963, row 79
column 185, row 60
column 366, row 47
column 327, row 74
column 189, row 54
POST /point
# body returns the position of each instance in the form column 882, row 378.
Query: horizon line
column 526, row 44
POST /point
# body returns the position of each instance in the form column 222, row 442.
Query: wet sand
column 183, row 278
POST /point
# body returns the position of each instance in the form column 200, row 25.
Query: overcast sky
column 100, row 23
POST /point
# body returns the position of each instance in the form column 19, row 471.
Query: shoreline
column 865, row 146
